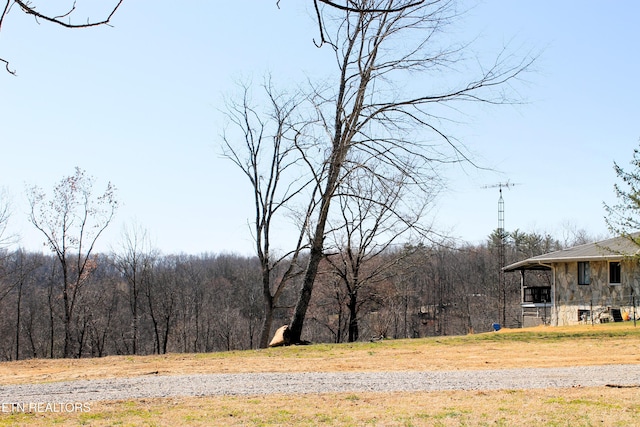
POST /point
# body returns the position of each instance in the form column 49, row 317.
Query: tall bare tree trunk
column 317, row 243
column 18, row 307
column 354, row 332
column 267, row 322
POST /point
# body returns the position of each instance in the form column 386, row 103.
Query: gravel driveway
column 319, row 382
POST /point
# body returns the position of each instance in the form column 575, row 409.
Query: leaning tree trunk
column 297, row 321
column 316, row 251
column 268, row 319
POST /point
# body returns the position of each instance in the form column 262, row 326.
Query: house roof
column 612, row 249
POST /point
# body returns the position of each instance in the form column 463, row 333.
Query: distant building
column 592, row 283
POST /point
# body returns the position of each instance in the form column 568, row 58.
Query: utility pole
column 502, row 235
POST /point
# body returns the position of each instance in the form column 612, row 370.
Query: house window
column 584, row 315
column 584, row 273
column 537, row 295
column 614, row 273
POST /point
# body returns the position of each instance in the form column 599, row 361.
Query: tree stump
column 281, row 337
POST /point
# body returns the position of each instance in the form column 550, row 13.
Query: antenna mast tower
column 501, row 248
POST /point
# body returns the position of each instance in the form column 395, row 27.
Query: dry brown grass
column 532, row 347
column 540, row 347
column 550, row 407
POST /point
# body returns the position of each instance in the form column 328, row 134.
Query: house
column 596, row 282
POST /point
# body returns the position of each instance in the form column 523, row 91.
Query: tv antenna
column 500, row 186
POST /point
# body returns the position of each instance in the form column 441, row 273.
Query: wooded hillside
column 145, row 303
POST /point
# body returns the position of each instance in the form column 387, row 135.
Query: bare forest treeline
column 154, row 304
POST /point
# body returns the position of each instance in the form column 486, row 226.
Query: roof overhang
column 614, row 249
column 540, row 263
column 527, row 264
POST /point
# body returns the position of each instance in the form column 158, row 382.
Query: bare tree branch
column 63, row 19
column 31, row 10
column 6, row 66
column 366, row 9
column 356, row 9
column 5, row 11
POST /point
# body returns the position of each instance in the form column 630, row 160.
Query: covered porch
column 537, row 291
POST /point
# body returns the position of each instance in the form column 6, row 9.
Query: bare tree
column 22, row 269
column 161, row 292
column 269, row 155
column 6, row 239
column 373, row 215
column 65, row 18
column 100, row 310
column 379, row 43
column 72, row 220
column 134, row 263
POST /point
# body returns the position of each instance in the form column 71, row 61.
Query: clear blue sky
column 138, row 104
